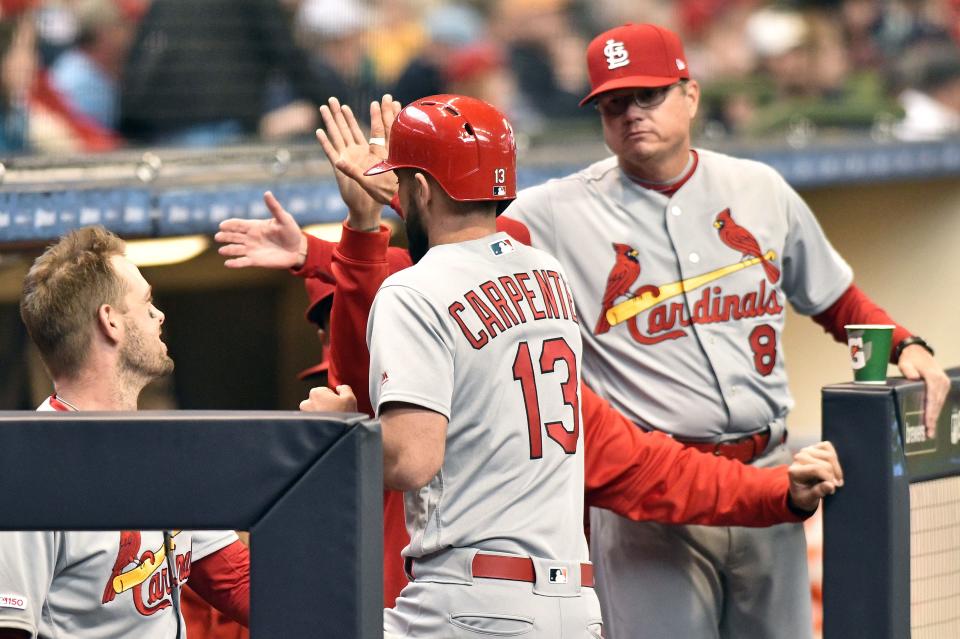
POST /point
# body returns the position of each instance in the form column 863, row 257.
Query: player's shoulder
column 597, row 172
column 536, row 255
column 411, row 277
column 539, row 206
column 741, row 168
column 421, row 280
column 569, row 184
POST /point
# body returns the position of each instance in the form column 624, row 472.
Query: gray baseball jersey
column 682, row 298
column 95, row 585
column 484, row 332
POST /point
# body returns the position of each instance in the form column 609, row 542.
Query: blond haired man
column 91, row 314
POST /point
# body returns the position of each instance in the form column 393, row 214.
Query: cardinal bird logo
column 740, row 239
column 625, row 271
column 129, row 547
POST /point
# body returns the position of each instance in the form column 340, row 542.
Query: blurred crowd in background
column 95, row 75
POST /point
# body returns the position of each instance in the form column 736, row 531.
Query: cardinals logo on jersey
column 740, row 239
column 132, row 570
column 669, row 307
column 625, row 271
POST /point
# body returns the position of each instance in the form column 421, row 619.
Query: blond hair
column 63, row 293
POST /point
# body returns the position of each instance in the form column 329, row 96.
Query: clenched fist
column 324, row 400
column 814, row 473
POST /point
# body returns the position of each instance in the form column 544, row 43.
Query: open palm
column 351, row 153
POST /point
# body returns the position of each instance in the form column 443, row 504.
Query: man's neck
column 659, row 170
column 451, row 229
column 97, row 392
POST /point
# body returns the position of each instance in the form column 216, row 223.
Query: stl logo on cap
column 617, row 54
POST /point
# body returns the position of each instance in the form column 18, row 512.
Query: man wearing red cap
column 683, row 261
column 479, row 405
column 320, row 294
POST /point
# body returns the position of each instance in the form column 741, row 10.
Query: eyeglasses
column 616, row 105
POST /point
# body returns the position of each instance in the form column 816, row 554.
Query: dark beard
column 135, row 358
column 417, row 241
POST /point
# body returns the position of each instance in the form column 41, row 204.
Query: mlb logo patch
column 557, row 575
column 499, row 191
column 502, row 247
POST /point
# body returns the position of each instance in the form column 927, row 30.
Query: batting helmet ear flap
column 465, row 144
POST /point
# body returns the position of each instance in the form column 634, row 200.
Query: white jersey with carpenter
column 718, row 262
column 484, row 332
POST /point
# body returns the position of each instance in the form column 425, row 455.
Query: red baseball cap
column 317, row 369
column 317, row 291
column 634, row 56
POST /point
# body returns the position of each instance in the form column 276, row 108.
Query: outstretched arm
column 273, row 243
column 650, row 476
column 278, row 242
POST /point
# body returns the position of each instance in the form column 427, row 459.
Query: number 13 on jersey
column 554, row 350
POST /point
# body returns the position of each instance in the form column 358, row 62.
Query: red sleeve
column 319, row 260
column 361, row 262
column 516, row 230
column 223, row 580
column 650, row 476
column 854, row 307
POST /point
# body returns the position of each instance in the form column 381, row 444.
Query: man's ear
column 692, row 94
column 422, row 193
column 109, row 322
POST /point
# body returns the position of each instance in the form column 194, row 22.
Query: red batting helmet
column 465, row 144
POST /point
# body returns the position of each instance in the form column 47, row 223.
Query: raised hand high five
column 273, row 243
column 278, row 241
column 351, row 153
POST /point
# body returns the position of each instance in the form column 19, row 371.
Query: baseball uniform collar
column 672, row 185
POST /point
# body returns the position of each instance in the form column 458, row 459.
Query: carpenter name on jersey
column 499, row 304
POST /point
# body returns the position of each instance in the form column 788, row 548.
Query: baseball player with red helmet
column 714, row 247
column 474, row 375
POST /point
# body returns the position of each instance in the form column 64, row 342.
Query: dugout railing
column 308, row 488
column 891, row 556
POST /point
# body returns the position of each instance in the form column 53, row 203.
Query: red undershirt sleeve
column 361, row 261
column 319, row 260
column 516, row 230
column 854, row 307
column 650, row 476
column 222, row 579
column 360, row 265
